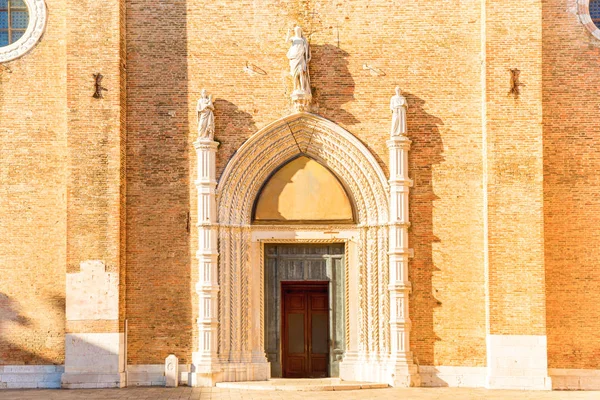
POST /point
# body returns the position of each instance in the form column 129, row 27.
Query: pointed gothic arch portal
column 241, row 242
column 319, row 139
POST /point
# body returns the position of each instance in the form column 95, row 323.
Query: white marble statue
column 206, row 117
column 398, row 106
column 299, row 56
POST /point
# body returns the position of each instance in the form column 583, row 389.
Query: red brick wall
column 515, row 169
column 571, row 60
column 33, row 223
column 158, row 185
column 430, row 49
column 73, row 190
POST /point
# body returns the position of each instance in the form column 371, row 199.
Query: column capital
column 206, row 144
column 399, row 141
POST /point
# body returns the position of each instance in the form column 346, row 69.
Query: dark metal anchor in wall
column 99, row 87
column 515, row 83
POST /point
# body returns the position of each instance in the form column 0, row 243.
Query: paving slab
column 186, row 393
column 302, row 385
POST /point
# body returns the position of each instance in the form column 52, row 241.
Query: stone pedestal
column 171, row 371
column 404, row 371
column 301, row 101
column 205, row 364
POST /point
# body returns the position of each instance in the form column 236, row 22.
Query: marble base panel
column 93, row 360
column 575, row 379
column 517, row 362
column 92, row 381
column 30, row 376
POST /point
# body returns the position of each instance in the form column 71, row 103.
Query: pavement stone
column 186, row 393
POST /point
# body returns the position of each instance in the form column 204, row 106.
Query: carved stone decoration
column 367, row 355
column 398, row 106
column 299, row 56
column 206, row 117
column 401, row 359
column 34, row 32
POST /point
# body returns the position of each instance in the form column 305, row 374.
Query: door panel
column 303, row 263
column 319, row 335
column 306, row 330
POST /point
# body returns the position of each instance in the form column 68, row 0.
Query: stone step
column 302, row 385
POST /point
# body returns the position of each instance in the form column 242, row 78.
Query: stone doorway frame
column 229, row 323
column 302, row 235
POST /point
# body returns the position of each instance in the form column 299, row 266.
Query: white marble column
column 405, row 372
column 205, row 368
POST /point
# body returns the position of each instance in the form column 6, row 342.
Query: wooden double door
column 305, row 338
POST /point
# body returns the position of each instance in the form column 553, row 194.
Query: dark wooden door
column 305, row 330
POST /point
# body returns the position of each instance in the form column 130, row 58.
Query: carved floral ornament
column 37, row 24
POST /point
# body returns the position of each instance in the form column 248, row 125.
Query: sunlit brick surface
column 112, row 179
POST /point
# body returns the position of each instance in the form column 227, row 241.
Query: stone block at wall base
column 94, row 360
column 575, row 379
column 517, row 362
column 30, row 376
column 92, row 381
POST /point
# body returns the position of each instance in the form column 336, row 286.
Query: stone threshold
column 302, row 385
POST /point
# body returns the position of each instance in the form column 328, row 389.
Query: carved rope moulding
column 37, row 24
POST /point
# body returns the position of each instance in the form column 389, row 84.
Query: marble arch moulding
column 317, row 138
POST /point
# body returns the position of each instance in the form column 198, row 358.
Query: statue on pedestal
column 398, row 106
column 206, row 117
column 299, row 56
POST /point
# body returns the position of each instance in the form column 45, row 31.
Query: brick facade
column 503, row 209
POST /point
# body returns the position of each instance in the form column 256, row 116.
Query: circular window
column 589, row 15
column 22, row 24
column 595, row 12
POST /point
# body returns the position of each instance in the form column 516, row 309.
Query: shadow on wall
column 233, row 127
column 332, row 83
column 426, row 152
column 333, row 86
column 10, row 315
column 159, row 296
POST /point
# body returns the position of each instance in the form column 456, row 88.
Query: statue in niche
column 299, row 56
column 398, row 106
column 206, row 117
